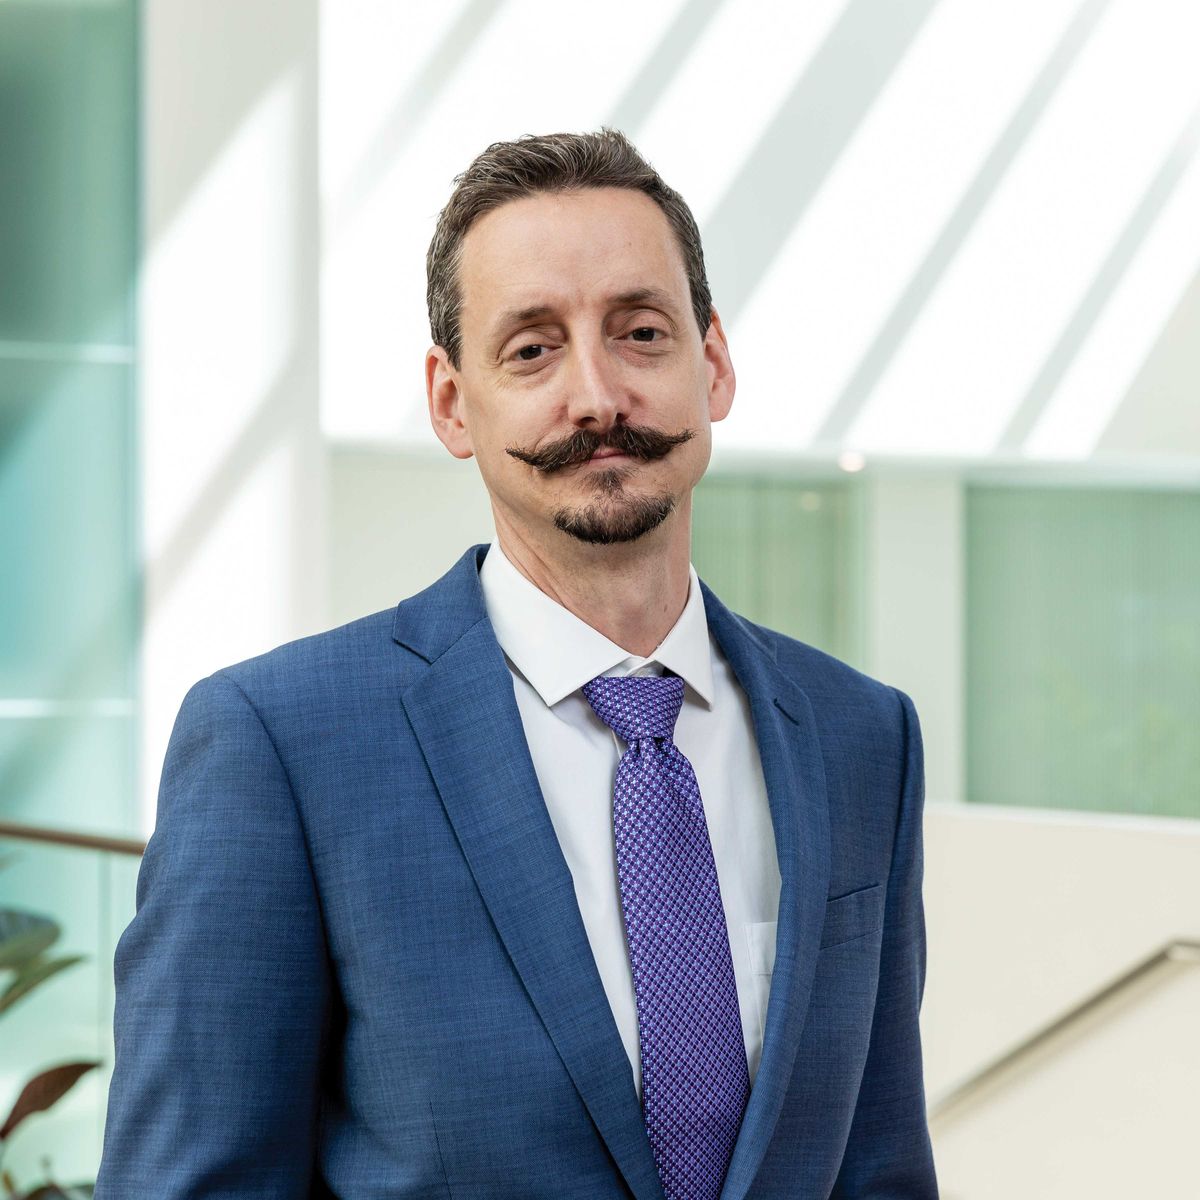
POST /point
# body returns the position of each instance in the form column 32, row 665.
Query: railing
column 64, row 837
column 1179, row 952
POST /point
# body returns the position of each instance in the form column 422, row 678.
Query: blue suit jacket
column 358, row 968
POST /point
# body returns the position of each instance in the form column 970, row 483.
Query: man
column 485, row 895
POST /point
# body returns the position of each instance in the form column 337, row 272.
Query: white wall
column 398, row 522
column 1028, row 914
column 914, row 600
column 232, row 489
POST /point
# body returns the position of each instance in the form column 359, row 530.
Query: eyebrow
column 641, row 295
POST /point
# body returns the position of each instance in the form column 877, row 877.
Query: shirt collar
column 558, row 653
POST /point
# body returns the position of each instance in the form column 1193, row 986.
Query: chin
column 609, row 524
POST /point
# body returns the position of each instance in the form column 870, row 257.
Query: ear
column 446, row 411
column 721, row 380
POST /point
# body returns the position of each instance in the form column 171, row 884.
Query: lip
column 607, row 452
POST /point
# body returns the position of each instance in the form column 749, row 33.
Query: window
column 1083, row 649
column 781, row 552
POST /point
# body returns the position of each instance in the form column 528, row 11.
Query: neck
column 632, row 592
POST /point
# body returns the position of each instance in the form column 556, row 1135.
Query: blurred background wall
column 955, row 248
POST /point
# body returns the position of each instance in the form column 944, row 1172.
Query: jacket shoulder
column 346, row 657
column 831, row 684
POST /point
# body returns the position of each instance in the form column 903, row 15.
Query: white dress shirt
column 552, row 654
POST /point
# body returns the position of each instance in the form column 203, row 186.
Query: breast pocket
column 853, row 915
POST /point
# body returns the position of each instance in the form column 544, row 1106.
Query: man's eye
column 530, row 353
column 644, row 329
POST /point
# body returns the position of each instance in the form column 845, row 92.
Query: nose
column 596, row 396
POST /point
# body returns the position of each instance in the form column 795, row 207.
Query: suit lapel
column 465, row 716
column 794, row 771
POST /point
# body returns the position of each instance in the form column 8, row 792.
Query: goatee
column 603, row 524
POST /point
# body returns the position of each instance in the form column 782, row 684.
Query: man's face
column 585, row 389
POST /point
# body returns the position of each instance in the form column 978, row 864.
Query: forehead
column 565, row 249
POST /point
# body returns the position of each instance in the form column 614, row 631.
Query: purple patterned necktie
column 695, row 1082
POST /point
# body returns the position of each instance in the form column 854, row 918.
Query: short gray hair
column 551, row 162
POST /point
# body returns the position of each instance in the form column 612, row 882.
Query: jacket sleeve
column 888, row 1154
column 222, row 979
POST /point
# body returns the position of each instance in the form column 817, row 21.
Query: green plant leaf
column 24, row 935
column 42, row 1091
column 32, row 974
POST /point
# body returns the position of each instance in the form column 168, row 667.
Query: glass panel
column 72, row 771
column 68, row 1018
column 70, row 594
column 66, row 494
column 1083, row 649
column 67, row 141
column 780, row 552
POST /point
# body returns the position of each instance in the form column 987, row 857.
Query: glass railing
column 64, row 901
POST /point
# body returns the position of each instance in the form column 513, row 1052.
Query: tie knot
column 636, row 706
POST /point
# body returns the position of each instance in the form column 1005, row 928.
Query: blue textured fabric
column 358, row 969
